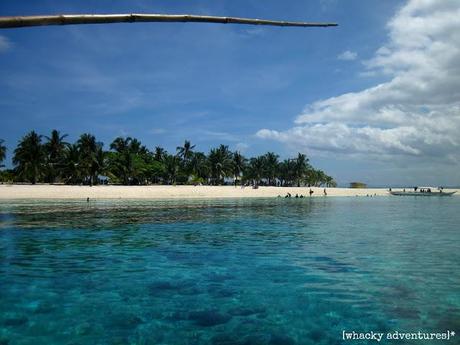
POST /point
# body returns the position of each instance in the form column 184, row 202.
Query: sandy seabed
column 171, row 192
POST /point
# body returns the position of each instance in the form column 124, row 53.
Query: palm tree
column 255, row 169
column 238, row 166
column 120, row 144
column 137, row 147
column 271, row 165
column 159, row 153
column 70, row 167
column 330, row 182
column 171, row 168
column 129, row 161
column 185, row 152
column 2, row 152
column 99, row 165
column 301, row 167
column 286, row 172
column 29, row 157
column 55, row 148
column 220, row 163
column 90, row 153
column 121, row 163
column 56, row 145
column 199, row 166
column 321, row 177
column 314, row 177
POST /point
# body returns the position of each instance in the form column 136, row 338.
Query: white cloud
column 204, row 133
column 157, row 131
column 241, row 147
column 415, row 114
column 347, row 55
column 5, row 44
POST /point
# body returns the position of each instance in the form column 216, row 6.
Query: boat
column 422, row 191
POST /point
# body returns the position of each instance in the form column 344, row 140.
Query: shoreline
column 10, row 192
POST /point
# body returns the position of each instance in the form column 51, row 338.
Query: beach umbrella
column 71, row 19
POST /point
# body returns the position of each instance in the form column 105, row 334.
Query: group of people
column 289, row 195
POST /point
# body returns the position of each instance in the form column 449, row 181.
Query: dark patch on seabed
column 208, row 318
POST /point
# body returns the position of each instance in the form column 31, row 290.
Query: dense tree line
column 51, row 159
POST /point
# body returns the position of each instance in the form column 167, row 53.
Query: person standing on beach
column 311, row 192
column 324, row 191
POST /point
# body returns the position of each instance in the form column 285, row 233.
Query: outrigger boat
column 422, row 191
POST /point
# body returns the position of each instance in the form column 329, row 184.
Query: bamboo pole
column 71, row 19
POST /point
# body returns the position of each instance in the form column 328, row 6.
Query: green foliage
column 185, row 152
column 196, row 180
column 159, row 153
column 71, row 172
column 171, row 168
column 55, row 153
column 270, row 166
column 91, row 161
column 7, row 176
column 29, row 158
column 238, row 165
column 199, row 166
column 128, row 162
column 256, row 169
column 220, row 164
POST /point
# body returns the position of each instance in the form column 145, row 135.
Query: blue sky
column 253, row 88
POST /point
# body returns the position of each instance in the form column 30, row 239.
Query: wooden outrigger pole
column 71, row 19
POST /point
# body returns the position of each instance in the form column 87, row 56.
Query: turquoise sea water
column 259, row 271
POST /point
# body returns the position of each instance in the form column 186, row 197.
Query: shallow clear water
column 260, row 271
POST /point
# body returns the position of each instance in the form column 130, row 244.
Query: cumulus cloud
column 5, row 44
column 414, row 114
column 347, row 55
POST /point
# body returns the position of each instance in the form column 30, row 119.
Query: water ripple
column 262, row 271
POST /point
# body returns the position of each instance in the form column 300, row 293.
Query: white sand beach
column 171, row 192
